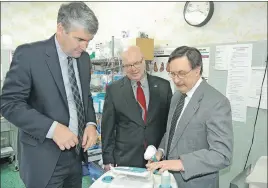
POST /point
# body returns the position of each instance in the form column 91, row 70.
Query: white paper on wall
column 205, row 52
column 222, row 57
column 256, row 78
column 239, row 67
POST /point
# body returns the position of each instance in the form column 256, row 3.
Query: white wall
column 231, row 22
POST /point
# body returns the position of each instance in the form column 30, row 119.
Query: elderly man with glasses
column 199, row 138
column 135, row 113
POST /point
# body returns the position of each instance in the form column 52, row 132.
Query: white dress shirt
column 73, row 121
column 187, row 100
column 144, row 86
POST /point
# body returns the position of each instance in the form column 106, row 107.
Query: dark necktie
column 174, row 121
column 78, row 104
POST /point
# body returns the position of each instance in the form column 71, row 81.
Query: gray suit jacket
column 203, row 139
column 33, row 96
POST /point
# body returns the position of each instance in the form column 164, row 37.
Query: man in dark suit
column 199, row 138
column 134, row 114
column 46, row 95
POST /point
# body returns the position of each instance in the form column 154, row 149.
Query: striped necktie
column 78, row 104
column 174, row 121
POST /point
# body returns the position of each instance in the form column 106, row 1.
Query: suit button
column 144, row 127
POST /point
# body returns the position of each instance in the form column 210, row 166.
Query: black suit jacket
column 33, row 96
column 123, row 129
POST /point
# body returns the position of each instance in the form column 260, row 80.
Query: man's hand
column 107, row 167
column 172, row 165
column 158, row 156
column 64, row 137
column 90, row 137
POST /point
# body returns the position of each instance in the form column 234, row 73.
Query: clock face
column 196, row 13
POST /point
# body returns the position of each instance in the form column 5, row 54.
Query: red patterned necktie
column 142, row 101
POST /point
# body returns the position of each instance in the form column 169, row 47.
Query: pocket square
column 155, row 85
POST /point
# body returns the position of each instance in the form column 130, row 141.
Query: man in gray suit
column 46, row 95
column 199, row 137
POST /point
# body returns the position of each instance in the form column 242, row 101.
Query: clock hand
column 192, row 10
column 200, row 11
column 196, row 10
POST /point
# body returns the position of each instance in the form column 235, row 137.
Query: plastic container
column 95, row 79
column 165, row 180
column 96, row 104
column 96, row 82
column 117, row 77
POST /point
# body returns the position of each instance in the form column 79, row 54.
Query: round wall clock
column 197, row 13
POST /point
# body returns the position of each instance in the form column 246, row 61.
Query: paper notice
column 205, row 52
column 222, row 57
column 256, row 90
column 239, row 69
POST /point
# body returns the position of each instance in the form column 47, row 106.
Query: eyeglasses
column 180, row 74
column 135, row 65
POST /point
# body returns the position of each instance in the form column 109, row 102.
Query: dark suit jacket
column 123, row 129
column 33, row 96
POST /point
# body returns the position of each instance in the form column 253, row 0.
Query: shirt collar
column 191, row 92
column 143, row 81
column 61, row 54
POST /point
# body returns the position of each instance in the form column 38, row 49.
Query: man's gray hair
column 78, row 14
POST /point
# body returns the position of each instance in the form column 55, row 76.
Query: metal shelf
column 102, row 62
column 108, row 63
column 105, row 61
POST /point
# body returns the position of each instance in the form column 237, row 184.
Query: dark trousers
column 68, row 171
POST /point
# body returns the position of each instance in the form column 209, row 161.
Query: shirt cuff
column 163, row 152
column 91, row 124
column 51, row 130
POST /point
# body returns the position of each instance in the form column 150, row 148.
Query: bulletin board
column 219, row 78
column 243, row 125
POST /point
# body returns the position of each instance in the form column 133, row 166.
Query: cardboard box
column 147, row 47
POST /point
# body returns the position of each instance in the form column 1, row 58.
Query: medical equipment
column 150, row 153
